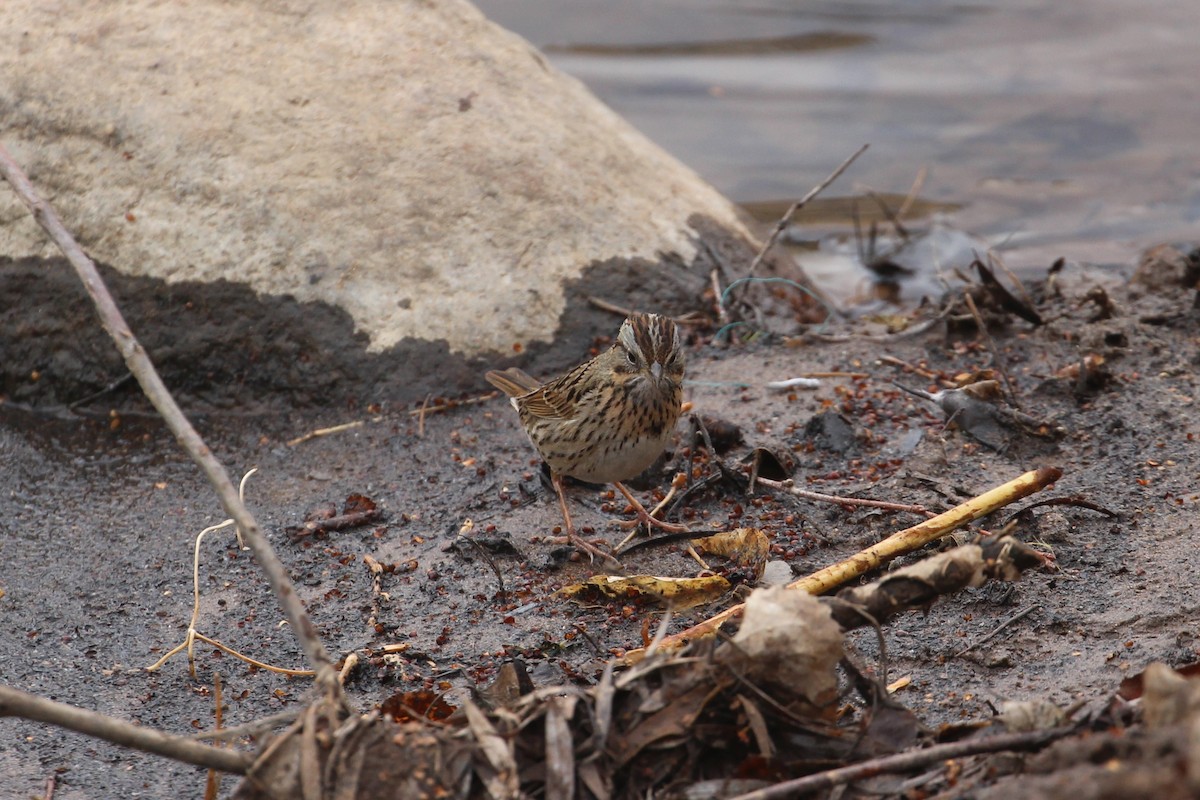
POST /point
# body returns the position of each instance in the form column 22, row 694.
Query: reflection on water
column 836, row 211
column 1053, row 128
column 799, row 43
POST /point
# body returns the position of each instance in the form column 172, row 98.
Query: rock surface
column 424, row 172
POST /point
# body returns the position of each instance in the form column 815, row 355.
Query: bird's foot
column 644, row 518
column 593, row 552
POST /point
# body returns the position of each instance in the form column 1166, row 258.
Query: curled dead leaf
column 789, row 639
column 678, row 593
column 746, row 547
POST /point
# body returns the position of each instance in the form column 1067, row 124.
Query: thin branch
column 820, row 497
column 1014, row 618
column 906, row 762
column 253, row 729
column 786, row 219
column 14, row 702
column 139, row 364
column 690, row 318
column 914, row 192
column 718, row 299
column 358, row 423
column 426, row 409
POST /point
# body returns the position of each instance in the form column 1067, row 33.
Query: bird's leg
column 574, row 538
column 644, row 516
column 650, row 519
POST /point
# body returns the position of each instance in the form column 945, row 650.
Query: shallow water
column 1059, row 129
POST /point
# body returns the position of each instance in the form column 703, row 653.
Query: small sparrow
column 606, row 420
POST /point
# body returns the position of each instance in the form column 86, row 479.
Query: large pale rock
column 410, row 163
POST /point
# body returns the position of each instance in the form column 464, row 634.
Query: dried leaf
column 888, row 728
column 674, row 720
column 597, row 782
column 678, row 593
column 1133, row 686
column 788, row 639
column 420, row 704
column 604, row 694
column 357, row 504
column 512, row 682
column 504, row 783
column 560, row 751
column 1030, row 715
column 1168, row 696
column 1004, row 297
column 748, row 547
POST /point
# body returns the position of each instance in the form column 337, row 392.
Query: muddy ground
column 98, row 513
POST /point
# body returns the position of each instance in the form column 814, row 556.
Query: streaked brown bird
column 606, row 420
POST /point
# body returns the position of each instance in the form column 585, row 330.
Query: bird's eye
column 631, row 358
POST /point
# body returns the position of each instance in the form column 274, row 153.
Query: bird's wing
column 547, row 403
column 531, row 397
column 512, row 381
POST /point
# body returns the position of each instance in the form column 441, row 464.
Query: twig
column 252, row 729
column 22, row 704
column 501, row 592
column 914, row 191
column 451, row 404
column 690, row 318
column 786, row 219
column 788, row 486
column 894, row 219
column 864, row 256
column 995, row 261
column 718, row 298
column 295, row 673
column 421, row 417
column 905, row 762
column 140, row 365
column 583, row 631
column 189, row 640
column 1024, row 612
column 605, row 305
column 340, row 522
column 358, row 423
column 119, row 382
column 420, row 413
column 1074, row 500
column 348, row 665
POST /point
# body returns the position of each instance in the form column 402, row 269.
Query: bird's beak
column 656, row 370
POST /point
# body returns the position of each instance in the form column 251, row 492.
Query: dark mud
column 98, row 515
